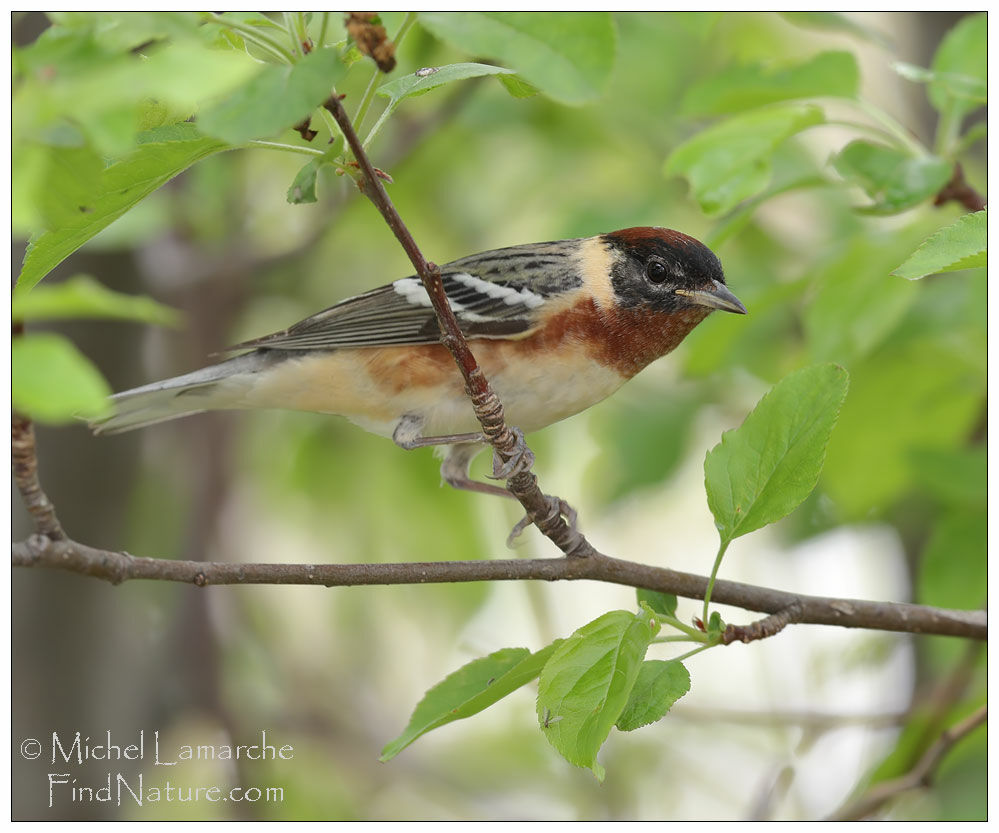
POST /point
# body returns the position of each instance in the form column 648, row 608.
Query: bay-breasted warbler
column 556, row 327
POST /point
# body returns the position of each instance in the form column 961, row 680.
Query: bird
column 555, row 327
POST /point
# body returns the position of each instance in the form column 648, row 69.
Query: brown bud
column 371, row 38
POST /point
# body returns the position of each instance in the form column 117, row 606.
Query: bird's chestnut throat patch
column 620, row 338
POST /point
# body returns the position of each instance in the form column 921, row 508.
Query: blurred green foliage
column 756, row 132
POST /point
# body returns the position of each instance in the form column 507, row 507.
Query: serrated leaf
column 587, row 682
column 963, row 52
column 469, row 690
column 892, row 178
column 764, row 469
column 569, row 57
column 277, row 98
column 83, row 297
column 742, row 88
column 430, row 78
column 731, row 161
column 659, row 602
column 122, row 185
column 659, row 685
column 52, row 381
column 962, row 245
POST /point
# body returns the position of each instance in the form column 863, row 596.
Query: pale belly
column 374, row 389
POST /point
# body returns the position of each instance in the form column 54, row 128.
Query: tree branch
column 921, row 775
column 24, row 468
column 544, row 512
column 116, row 567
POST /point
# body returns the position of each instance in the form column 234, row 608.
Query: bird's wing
column 495, row 294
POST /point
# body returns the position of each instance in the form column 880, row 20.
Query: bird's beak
column 718, row 296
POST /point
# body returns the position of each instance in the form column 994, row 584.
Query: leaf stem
column 324, row 24
column 677, row 638
column 672, row 621
column 297, row 31
column 251, row 33
column 948, row 130
column 369, row 93
column 256, row 143
column 896, row 130
column 695, row 651
column 714, row 574
column 862, row 126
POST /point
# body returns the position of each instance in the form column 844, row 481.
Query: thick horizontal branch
column 117, row 567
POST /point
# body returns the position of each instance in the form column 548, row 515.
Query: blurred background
column 794, row 725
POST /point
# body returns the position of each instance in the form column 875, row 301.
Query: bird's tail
column 211, row 388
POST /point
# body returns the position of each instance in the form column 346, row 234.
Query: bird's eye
column 656, row 271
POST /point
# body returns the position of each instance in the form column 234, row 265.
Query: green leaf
column 962, row 53
column 659, row 685
column 303, row 187
column 166, row 153
column 569, row 57
column 430, row 78
column 70, row 77
column 835, row 22
column 72, row 177
column 891, row 177
column 124, row 32
column 962, row 245
column 517, row 86
column 957, row 86
column 764, row 469
column 277, row 98
column 731, row 161
column 658, row 602
column 745, row 87
column 83, row 297
column 52, row 381
column 469, row 690
column 586, row 684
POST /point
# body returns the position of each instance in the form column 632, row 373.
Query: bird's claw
column 521, row 459
column 556, row 507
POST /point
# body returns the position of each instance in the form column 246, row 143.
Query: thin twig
column 763, row 628
column 488, row 409
column 116, row 567
column 921, row 775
